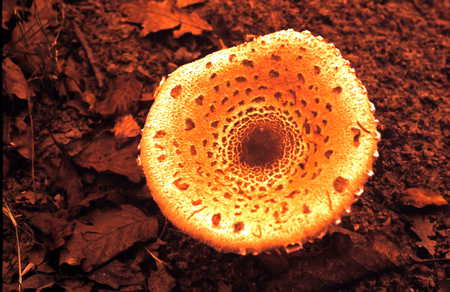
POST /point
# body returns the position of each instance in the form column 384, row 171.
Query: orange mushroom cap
column 261, row 145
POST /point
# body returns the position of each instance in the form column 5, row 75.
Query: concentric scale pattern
column 261, row 145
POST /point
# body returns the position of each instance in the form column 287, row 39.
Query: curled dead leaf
column 157, row 16
column 7, row 12
column 422, row 197
column 424, row 229
column 126, row 127
column 14, row 81
column 21, row 140
column 186, row 3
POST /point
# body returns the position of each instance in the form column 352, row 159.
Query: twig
column 9, row 214
column 90, row 55
column 33, row 169
column 154, row 257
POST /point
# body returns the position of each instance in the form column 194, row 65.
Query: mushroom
column 262, row 145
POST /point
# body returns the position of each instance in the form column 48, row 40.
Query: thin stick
column 9, row 214
column 33, row 169
column 155, row 257
column 90, row 54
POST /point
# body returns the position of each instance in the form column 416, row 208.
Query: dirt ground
column 78, row 81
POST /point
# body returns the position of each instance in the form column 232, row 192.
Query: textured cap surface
column 261, row 145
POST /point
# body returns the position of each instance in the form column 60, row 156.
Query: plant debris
column 90, row 244
column 79, row 78
column 420, row 197
column 103, row 154
column 156, row 16
column 14, row 82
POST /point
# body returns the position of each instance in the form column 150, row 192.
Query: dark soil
column 78, row 79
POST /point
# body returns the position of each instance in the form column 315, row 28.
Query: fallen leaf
column 157, row 16
column 74, row 77
column 7, row 12
column 160, row 280
column 68, row 136
column 110, row 233
column 89, row 98
column 102, row 155
column 39, row 281
column 182, row 55
column 76, row 285
column 21, row 139
column 45, row 268
column 350, row 256
column 191, row 23
column 86, row 202
column 68, row 179
column 154, row 16
column 58, row 229
column 116, row 274
column 421, row 197
column 122, row 93
column 423, row 228
column 186, row 3
column 126, row 127
column 36, row 256
column 14, row 81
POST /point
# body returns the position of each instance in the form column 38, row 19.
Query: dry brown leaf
column 186, row 3
column 122, row 93
column 157, row 16
column 126, row 127
column 74, row 284
column 68, row 179
column 423, row 228
column 191, row 23
column 39, row 281
column 160, row 280
column 116, row 274
column 182, row 55
column 7, row 12
column 110, row 233
column 74, row 77
column 102, row 155
column 92, row 197
column 21, row 140
column 421, row 197
column 89, row 98
column 14, row 81
column 350, row 256
column 51, row 225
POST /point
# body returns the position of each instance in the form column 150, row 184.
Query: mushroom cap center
column 261, row 146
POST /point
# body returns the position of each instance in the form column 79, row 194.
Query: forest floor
column 78, row 79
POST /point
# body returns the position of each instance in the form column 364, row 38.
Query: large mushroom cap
column 261, row 145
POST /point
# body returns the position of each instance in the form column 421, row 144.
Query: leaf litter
column 82, row 224
column 156, row 16
column 90, row 246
